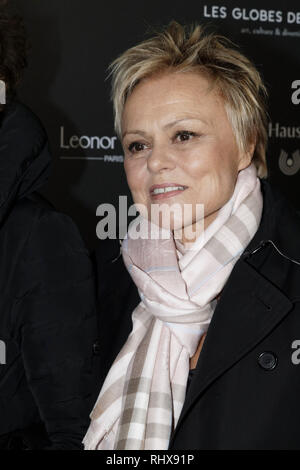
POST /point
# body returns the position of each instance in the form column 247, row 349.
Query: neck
column 189, row 235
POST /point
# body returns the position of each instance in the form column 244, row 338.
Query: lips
column 164, row 190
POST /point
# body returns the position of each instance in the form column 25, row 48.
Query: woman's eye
column 136, row 147
column 184, row 135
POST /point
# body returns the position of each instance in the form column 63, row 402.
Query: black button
column 96, row 348
column 267, row 360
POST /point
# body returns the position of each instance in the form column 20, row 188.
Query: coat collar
column 252, row 302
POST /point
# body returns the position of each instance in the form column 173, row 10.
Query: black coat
column 246, row 388
column 48, row 321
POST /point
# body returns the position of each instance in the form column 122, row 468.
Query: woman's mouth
column 166, row 190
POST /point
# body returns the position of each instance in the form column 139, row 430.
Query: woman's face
column 176, row 134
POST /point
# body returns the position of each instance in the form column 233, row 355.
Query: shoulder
column 17, row 117
column 54, row 234
column 35, row 222
column 280, row 214
column 46, row 247
column 280, row 231
column 282, row 217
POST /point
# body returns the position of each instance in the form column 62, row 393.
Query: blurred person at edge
column 197, row 337
column 47, row 301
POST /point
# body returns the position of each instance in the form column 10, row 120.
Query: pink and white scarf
column 141, row 399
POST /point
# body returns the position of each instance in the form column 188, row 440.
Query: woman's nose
column 160, row 159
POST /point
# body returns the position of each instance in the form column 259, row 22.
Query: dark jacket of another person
column 47, row 301
column 244, row 393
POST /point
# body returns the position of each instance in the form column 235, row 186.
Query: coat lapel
column 237, row 327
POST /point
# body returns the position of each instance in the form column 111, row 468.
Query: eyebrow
column 166, row 126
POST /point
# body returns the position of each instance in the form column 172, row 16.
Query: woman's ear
column 251, row 148
column 246, row 156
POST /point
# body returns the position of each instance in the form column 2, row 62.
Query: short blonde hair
column 180, row 48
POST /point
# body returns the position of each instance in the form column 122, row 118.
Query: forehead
column 164, row 96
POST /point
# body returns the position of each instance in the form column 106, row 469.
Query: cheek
column 200, row 161
column 131, row 171
column 213, row 157
column 211, row 169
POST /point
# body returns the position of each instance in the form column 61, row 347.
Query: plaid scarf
column 144, row 391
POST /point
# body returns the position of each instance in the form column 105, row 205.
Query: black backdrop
column 73, row 41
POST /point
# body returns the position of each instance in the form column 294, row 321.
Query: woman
column 47, row 304
column 207, row 362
